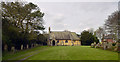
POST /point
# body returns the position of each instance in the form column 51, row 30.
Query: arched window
column 66, row 41
column 57, row 41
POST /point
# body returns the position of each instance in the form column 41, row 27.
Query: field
column 62, row 53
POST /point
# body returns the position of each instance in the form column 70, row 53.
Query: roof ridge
column 64, row 35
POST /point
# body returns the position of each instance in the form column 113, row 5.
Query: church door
column 53, row 43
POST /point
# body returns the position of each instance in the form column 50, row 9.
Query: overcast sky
column 75, row 15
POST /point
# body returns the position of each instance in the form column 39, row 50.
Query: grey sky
column 75, row 15
column 74, row 0
column 65, row 0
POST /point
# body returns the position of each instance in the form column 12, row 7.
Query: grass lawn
column 63, row 53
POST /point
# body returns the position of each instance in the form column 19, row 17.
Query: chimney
column 49, row 30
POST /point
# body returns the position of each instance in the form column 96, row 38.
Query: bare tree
column 111, row 25
column 100, row 32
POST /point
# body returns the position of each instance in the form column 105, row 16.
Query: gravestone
column 27, row 46
column 116, row 47
column 21, row 47
column 92, row 45
column 98, row 45
column 95, row 44
column 109, row 46
column 13, row 49
column 5, row 47
column 104, row 45
column 36, row 44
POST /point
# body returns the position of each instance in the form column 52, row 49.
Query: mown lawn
column 63, row 53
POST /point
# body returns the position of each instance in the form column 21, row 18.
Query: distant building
column 108, row 38
column 63, row 38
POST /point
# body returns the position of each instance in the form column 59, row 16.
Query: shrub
column 113, row 44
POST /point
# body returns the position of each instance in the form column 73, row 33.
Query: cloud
column 58, row 26
column 58, row 18
column 75, row 16
column 80, row 24
column 86, row 29
column 82, row 16
column 56, row 21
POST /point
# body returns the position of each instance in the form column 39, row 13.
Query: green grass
column 65, row 53
column 21, row 54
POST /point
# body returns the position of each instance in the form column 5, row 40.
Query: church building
column 63, row 38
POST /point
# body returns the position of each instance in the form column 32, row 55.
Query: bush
column 113, row 44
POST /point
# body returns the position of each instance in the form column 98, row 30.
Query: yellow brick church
column 63, row 38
